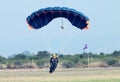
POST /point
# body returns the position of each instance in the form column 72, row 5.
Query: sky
column 102, row 36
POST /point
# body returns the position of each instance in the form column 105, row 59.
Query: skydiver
column 53, row 63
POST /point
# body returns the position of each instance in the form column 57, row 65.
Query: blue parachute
column 42, row 17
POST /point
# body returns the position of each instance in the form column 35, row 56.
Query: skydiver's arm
column 57, row 60
column 50, row 60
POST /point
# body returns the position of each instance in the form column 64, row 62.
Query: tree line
column 27, row 60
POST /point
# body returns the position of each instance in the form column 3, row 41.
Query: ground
column 61, row 75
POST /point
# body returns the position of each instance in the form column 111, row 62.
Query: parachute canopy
column 42, row 17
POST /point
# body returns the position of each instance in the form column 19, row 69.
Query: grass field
column 61, row 75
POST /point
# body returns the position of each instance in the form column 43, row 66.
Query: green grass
column 61, row 75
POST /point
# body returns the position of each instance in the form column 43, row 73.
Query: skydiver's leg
column 51, row 68
column 55, row 66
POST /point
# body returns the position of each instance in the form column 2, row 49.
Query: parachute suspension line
column 62, row 21
column 62, row 26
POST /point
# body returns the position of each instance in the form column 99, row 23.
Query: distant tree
column 113, row 62
column 116, row 53
column 102, row 54
column 34, row 57
column 18, row 64
column 84, row 55
column 68, row 64
column 81, row 56
column 76, row 59
column 20, row 56
column 43, row 54
column 2, row 59
column 61, row 56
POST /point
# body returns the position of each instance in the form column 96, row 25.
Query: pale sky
column 102, row 36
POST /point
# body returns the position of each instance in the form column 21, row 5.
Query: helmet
column 54, row 55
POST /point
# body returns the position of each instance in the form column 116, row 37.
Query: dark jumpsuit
column 53, row 64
